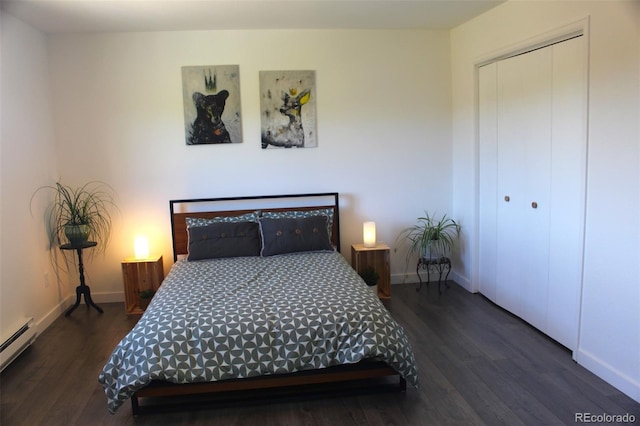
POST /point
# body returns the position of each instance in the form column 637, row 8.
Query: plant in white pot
column 430, row 238
column 77, row 214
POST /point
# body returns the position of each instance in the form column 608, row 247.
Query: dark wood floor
column 478, row 365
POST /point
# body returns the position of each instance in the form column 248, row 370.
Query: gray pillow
column 224, row 239
column 300, row 214
column 293, row 235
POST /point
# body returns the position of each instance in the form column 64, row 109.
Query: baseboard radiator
column 21, row 337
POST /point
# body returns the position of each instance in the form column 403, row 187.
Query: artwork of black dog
column 208, row 127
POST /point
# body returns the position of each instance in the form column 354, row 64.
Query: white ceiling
column 80, row 16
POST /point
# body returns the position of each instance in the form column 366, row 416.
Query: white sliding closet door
column 531, row 192
column 524, row 122
column 488, row 181
column 568, row 177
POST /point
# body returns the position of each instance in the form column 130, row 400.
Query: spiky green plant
column 430, row 235
column 89, row 204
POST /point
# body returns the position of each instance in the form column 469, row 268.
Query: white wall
column 609, row 340
column 28, row 160
column 383, row 112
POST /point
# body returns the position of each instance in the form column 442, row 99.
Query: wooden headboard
column 234, row 206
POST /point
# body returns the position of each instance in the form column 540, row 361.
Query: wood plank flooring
column 479, row 365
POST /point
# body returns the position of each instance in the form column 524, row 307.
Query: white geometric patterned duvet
column 250, row 316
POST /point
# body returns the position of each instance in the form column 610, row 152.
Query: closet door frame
column 567, row 32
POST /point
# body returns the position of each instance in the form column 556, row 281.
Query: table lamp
column 141, row 247
column 369, row 234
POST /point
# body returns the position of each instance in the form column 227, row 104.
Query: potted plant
column 79, row 213
column 430, row 237
column 145, row 297
column 371, row 277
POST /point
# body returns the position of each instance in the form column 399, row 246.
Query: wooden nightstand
column 378, row 258
column 140, row 274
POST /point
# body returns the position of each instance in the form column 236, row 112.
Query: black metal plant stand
column 436, row 264
column 82, row 289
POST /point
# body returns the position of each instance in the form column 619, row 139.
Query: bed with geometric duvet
column 261, row 298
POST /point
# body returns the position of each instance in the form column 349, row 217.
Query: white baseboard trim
column 461, row 281
column 411, row 277
column 48, row 319
column 609, row 374
column 403, row 278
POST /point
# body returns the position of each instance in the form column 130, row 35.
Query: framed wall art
column 211, row 97
column 288, row 109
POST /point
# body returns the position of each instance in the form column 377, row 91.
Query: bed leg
column 403, row 384
column 135, row 407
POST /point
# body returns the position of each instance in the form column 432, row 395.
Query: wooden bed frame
column 364, row 371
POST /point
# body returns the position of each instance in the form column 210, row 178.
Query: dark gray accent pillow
column 224, row 239
column 293, row 235
column 300, row 214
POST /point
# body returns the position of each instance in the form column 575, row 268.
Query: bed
column 257, row 298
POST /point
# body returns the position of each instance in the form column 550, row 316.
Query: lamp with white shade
column 369, row 234
column 141, row 247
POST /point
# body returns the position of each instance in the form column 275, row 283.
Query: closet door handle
column 534, row 205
